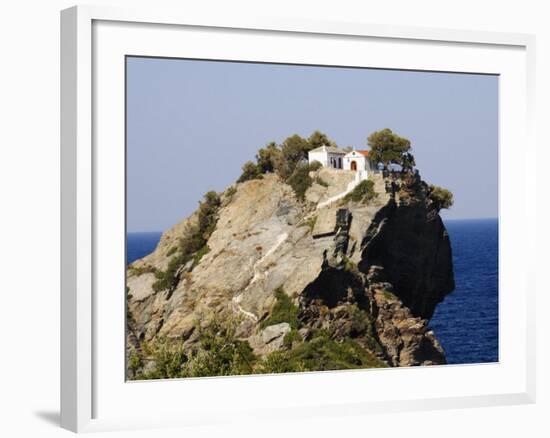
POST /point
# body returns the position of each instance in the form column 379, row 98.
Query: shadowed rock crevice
column 412, row 247
column 332, row 287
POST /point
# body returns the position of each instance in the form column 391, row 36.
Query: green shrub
column 250, row 171
column 192, row 240
column 389, row 148
column 277, row 362
column 168, row 279
column 169, row 358
column 441, row 197
column 219, row 353
column 268, row 157
column 193, row 245
column 140, row 270
column 172, row 251
column 318, row 180
column 300, row 180
column 284, row 310
column 216, row 353
column 316, row 165
column 200, row 254
column 293, row 152
column 229, row 193
column 360, row 321
column 318, row 138
column 134, row 363
column 208, row 214
column 285, row 159
column 291, row 338
column 321, row 354
column 363, row 192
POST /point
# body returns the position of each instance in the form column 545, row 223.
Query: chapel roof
column 331, row 149
column 363, row 152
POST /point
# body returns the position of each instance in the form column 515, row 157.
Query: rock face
column 271, row 338
column 373, row 272
column 411, row 244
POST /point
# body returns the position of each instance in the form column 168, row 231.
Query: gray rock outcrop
column 373, row 272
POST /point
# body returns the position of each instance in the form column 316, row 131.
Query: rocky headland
column 264, row 278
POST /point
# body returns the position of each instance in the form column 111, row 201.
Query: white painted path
column 257, row 275
column 360, row 175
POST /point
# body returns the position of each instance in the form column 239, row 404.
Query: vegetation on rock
column 318, row 139
column 291, row 338
column 172, row 251
column 300, row 180
column 363, row 192
column 193, row 245
column 441, row 197
column 386, row 147
column 268, row 157
column 250, row 171
column 135, row 363
column 321, row 353
column 293, row 152
column 217, row 353
column 140, row 270
column 217, row 350
column 288, row 160
column 284, row 310
column 169, row 360
column 229, row 193
column 320, row 181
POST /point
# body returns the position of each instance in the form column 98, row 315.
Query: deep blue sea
column 138, row 245
column 466, row 322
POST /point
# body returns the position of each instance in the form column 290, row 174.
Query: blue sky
column 192, row 124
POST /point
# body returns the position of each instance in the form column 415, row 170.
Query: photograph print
column 301, row 218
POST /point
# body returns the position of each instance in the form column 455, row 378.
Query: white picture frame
column 92, row 41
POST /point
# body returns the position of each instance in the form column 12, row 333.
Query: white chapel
column 328, row 156
column 336, row 158
column 358, row 160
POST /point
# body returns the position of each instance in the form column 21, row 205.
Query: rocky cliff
column 356, row 280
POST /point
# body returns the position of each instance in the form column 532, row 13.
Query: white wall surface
column 29, row 218
column 358, row 158
column 321, row 157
